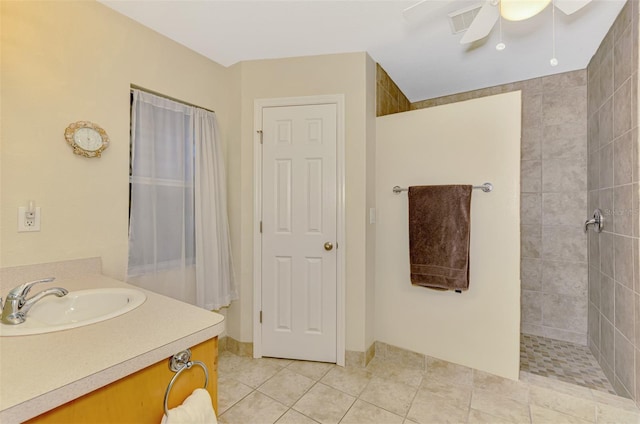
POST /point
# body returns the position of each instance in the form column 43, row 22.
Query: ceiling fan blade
column 482, row 24
column 421, row 10
column 571, row 6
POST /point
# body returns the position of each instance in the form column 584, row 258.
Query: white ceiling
column 421, row 55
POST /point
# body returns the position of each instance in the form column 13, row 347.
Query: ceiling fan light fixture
column 519, row 10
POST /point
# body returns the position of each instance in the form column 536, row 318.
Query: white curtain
column 178, row 231
column 213, row 244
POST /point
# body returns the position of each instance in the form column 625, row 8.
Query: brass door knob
column 328, row 246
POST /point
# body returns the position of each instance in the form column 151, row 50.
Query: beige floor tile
column 230, row 391
column 447, row 371
column 349, row 380
column 228, row 363
column 313, row 370
column 479, row 417
column 324, row 404
column 430, row 409
column 613, row 400
column 567, row 404
column 500, row 406
column 540, row 415
column 286, row 386
column 611, row 414
column 254, row 373
column 457, row 394
column 364, row 413
column 294, row 417
column 560, row 386
column 393, row 372
column 226, row 356
column 255, row 409
column 404, row 357
column 391, row 395
column 281, row 362
column 512, row 389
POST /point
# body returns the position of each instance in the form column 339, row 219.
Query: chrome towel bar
column 178, row 363
column 486, row 187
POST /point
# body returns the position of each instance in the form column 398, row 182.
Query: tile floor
column 568, row 362
column 282, row 391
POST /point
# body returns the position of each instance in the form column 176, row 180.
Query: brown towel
column 439, row 230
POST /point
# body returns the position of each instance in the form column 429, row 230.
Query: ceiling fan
column 490, row 11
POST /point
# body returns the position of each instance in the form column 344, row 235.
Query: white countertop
column 40, row 372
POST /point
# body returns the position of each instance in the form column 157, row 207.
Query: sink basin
column 77, row 309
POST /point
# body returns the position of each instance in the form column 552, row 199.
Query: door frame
column 259, row 105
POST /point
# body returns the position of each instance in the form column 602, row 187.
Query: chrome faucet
column 17, row 305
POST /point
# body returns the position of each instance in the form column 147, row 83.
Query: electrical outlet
column 26, row 223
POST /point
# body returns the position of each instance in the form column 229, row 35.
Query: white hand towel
column 196, row 409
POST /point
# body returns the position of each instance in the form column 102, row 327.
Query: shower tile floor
column 564, row 361
column 267, row 390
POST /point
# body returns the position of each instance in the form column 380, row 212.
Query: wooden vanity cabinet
column 139, row 397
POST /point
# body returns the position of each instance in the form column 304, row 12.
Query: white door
column 299, row 201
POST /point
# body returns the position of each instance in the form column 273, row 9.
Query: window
column 178, row 231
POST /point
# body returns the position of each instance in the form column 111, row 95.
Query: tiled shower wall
column 614, row 287
column 553, row 201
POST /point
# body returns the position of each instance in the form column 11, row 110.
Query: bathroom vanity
column 111, row 371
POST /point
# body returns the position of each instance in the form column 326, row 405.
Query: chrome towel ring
column 178, row 363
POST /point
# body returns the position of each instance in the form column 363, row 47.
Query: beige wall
column 348, row 74
column 553, row 200
column 52, row 76
column 68, row 61
column 234, row 197
column 369, row 317
column 458, row 143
